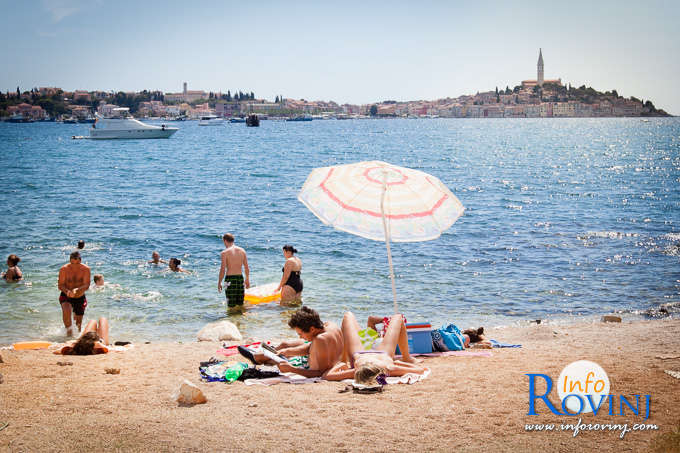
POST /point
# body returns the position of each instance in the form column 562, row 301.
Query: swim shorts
column 234, row 290
column 300, row 361
column 78, row 303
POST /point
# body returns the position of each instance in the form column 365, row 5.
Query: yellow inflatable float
column 24, row 345
column 262, row 294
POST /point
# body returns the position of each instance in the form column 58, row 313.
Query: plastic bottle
column 235, row 371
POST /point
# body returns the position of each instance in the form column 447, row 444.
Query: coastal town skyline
column 357, row 54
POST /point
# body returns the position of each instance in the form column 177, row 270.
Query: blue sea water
column 565, row 219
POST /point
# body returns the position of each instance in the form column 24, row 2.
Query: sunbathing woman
column 368, row 366
column 469, row 338
column 93, row 340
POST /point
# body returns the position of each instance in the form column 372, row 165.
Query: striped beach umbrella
column 383, row 202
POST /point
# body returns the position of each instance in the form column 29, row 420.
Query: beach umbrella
column 383, row 202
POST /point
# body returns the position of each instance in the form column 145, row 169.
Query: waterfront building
column 34, row 112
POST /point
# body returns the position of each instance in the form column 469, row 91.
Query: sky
column 356, row 52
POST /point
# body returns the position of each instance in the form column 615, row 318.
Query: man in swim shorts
column 234, row 260
column 324, row 344
column 318, row 349
column 74, row 280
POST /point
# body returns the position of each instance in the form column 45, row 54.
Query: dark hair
column 97, row 277
column 85, row 344
column 81, row 244
column 304, row 319
column 289, row 248
column 75, row 255
column 13, row 259
column 176, row 261
column 475, row 334
column 228, row 237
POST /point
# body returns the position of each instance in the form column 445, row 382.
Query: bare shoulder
column 330, row 326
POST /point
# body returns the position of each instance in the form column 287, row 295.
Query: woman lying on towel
column 374, row 365
column 93, row 340
column 469, row 338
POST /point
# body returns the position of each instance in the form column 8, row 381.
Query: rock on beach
column 219, row 331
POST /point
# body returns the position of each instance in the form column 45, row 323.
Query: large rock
column 611, row 318
column 218, row 331
column 188, row 393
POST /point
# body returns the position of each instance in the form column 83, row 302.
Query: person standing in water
column 291, row 283
column 74, row 280
column 233, row 262
column 13, row 273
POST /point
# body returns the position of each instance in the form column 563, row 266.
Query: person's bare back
column 326, row 348
column 233, row 261
column 234, row 258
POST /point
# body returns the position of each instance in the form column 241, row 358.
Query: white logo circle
column 586, row 379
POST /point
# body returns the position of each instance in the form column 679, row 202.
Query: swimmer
column 156, row 259
column 174, row 266
column 13, row 273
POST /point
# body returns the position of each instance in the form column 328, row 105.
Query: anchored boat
column 122, row 125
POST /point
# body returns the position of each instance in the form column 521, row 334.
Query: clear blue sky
column 349, row 51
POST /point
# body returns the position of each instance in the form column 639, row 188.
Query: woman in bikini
column 93, row 340
column 291, row 283
column 369, row 367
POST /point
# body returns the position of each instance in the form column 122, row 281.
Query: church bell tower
column 539, row 78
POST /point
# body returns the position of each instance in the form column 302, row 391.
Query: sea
column 565, row 220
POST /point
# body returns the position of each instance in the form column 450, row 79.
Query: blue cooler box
column 419, row 338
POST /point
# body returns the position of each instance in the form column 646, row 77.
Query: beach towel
column 286, row 378
column 232, row 350
column 292, row 378
column 457, row 353
column 498, row 344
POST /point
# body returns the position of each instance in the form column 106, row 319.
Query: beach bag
column 448, row 338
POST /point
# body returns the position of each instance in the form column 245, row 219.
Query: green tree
column 374, row 110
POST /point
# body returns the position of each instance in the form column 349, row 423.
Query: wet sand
column 467, row 402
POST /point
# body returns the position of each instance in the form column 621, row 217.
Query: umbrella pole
column 387, row 242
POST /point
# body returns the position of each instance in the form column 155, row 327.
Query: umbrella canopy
column 382, row 202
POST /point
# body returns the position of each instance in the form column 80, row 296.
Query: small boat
column 19, row 118
column 211, row 120
column 300, row 118
column 70, row 120
column 88, row 120
column 252, row 121
column 121, row 125
column 237, row 120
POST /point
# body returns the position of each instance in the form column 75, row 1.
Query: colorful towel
column 498, row 344
column 457, row 353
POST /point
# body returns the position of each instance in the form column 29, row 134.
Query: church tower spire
column 539, row 78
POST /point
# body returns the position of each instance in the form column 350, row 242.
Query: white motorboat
column 211, row 120
column 121, row 125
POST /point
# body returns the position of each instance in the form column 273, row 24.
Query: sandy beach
column 467, row 403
